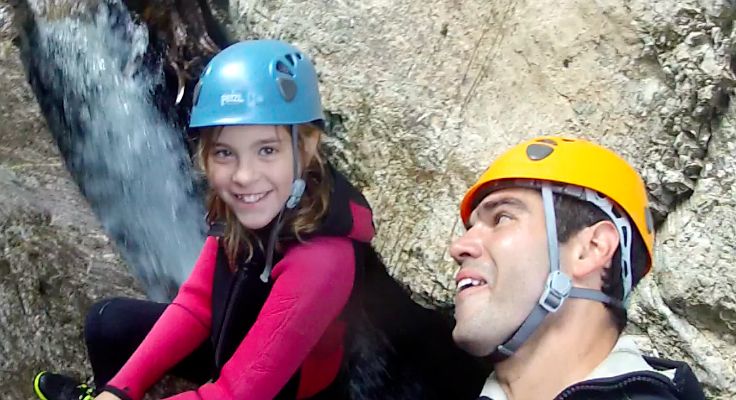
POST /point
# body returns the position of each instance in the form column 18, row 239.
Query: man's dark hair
column 573, row 215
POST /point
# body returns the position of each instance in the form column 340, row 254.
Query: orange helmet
column 571, row 162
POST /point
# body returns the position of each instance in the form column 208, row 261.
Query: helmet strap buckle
column 556, row 290
column 297, row 190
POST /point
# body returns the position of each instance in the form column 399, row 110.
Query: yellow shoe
column 49, row 386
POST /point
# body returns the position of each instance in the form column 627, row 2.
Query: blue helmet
column 257, row 82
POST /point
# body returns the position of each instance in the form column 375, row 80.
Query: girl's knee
column 94, row 326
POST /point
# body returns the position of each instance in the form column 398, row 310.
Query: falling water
column 98, row 93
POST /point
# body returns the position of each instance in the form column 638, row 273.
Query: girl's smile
column 250, row 167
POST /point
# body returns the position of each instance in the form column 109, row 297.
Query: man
column 559, row 232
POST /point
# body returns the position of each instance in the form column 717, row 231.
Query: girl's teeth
column 250, row 198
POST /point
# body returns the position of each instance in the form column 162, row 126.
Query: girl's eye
column 266, row 151
column 221, row 153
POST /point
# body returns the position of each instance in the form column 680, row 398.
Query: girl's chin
column 256, row 220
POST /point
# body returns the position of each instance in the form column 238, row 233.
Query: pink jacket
column 298, row 325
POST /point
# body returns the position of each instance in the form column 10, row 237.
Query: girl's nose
column 244, row 174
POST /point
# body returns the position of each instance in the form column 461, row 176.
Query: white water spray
column 129, row 161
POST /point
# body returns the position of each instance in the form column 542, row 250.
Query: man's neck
column 565, row 349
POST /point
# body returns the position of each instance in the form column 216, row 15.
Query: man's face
column 503, row 268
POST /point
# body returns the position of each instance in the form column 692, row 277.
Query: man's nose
column 467, row 246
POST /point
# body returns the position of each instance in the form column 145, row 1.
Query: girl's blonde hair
column 304, row 219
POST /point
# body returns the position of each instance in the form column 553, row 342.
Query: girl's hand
column 107, row 396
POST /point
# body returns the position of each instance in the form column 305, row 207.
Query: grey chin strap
column 558, row 286
column 298, row 185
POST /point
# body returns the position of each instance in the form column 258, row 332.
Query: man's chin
column 471, row 344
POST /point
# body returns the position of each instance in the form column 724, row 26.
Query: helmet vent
column 548, row 141
column 283, row 68
column 287, row 87
column 291, row 58
column 537, row 152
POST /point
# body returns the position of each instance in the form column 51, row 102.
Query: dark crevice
column 183, row 36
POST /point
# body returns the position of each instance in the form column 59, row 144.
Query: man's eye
column 501, row 218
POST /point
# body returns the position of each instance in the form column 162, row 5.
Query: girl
column 283, row 300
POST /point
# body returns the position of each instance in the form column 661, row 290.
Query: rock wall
column 427, row 93
column 422, row 95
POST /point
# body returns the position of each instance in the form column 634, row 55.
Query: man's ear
column 593, row 249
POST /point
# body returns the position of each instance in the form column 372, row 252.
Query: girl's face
column 250, row 167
